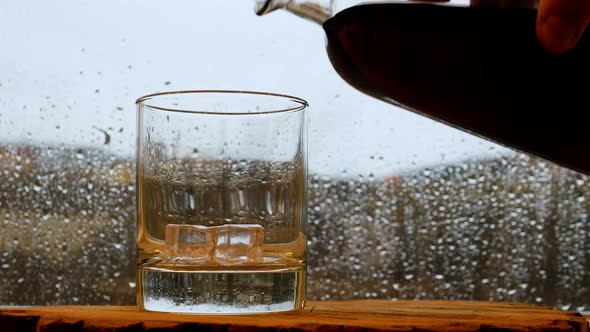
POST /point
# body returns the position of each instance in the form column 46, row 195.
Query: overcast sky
column 72, row 69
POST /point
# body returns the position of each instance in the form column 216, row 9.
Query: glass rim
column 301, row 103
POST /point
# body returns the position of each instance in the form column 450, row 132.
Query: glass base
column 220, row 292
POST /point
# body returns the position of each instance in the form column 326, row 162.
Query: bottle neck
column 321, row 10
column 315, row 10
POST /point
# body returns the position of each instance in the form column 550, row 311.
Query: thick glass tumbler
column 221, row 202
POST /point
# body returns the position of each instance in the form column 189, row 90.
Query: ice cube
column 226, row 244
column 190, row 241
column 238, row 244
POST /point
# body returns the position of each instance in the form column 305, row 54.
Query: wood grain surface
column 357, row 315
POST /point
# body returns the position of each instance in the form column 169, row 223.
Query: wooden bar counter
column 356, row 315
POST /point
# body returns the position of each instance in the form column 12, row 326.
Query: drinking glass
column 221, row 202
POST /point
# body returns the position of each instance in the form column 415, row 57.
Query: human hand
column 560, row 23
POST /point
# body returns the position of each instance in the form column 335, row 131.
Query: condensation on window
column 383, row 222
column 67, row 219
column 509, row 229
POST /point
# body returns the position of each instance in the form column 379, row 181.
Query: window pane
column 400, row 206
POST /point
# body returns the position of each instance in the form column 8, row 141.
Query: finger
column 560, row 23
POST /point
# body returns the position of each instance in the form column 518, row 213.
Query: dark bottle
column 477, row 67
